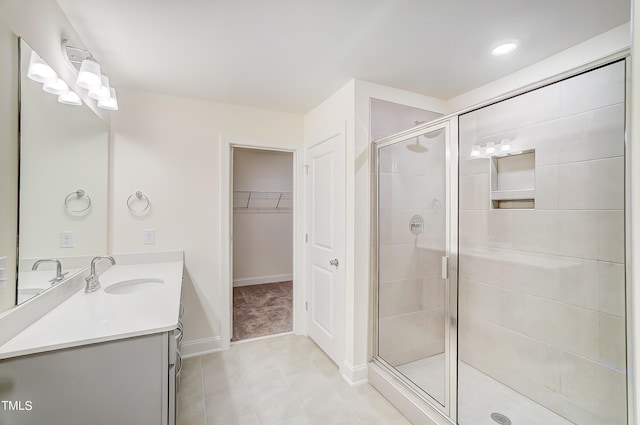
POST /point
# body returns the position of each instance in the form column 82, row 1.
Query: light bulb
column 56, row 87
column 504, row 49
column 505, row 145
column 89, row 76
column 39, row 70
column 111, row 103
column 475, row 151
column 103, row 91
column 70, row 98
column 490, row 149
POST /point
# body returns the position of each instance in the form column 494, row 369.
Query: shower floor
column 479, row 395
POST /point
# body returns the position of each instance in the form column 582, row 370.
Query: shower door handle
column 445, row 267
column 334, row 262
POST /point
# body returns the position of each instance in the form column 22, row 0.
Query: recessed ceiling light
column 504, row 49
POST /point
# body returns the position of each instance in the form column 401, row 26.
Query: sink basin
column 133, row 285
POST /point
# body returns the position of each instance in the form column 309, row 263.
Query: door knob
column 334, row 262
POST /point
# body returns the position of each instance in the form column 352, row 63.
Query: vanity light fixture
column 501, row 148
column 90, row 76
column 504, row 49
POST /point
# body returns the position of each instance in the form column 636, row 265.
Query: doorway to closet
column 262, row 243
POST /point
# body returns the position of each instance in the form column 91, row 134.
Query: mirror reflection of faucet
column 59, row 275
column 92, row 280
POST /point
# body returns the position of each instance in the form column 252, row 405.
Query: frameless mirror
column 63, row 185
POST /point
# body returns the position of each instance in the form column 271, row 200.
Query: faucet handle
column 93, row 284
column 58, row 278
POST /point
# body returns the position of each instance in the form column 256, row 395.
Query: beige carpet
column 260, row 310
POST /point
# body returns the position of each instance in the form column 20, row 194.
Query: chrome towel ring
column 77, row 195
column 138, row 196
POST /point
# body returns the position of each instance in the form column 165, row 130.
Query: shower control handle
column 334, row 262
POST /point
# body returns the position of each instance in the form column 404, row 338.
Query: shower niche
column 513, row 181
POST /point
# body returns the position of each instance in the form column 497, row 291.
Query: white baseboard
column 355, row 375
column 263, row 279
column 200, row 346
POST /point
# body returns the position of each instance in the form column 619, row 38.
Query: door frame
column 227, row 144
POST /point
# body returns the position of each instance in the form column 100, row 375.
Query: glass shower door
column 412, row 258
column 542, row 308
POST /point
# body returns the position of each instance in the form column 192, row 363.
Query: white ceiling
column 289, row 55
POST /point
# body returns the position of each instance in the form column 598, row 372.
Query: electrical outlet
column 66, row 239
column 149, row 236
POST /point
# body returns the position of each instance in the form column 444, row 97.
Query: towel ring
column 141, row 197
column 78, row 194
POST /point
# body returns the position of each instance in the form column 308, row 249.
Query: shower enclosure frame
column 412, row 400
column 450, row 126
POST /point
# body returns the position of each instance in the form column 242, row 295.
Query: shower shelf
column 513, row 181
column 258, row 201
column 520, row 194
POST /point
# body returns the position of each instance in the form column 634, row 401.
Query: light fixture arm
column 75, row 55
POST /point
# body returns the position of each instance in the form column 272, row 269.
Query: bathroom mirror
column 63, row 185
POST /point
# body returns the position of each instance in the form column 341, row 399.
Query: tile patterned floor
column 284, row 380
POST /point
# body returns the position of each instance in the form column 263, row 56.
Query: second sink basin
column 133, row 285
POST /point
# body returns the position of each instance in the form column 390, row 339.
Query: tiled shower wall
column 542, row 290
column 411, row 290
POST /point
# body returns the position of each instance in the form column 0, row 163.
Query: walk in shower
column 500, row 291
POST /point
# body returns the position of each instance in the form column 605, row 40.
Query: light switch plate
column 149, row 236
column 66, row 239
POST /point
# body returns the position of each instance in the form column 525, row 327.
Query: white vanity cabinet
column 123, row 381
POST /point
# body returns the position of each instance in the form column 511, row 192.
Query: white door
column 325, row 228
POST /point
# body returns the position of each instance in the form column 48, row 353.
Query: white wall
column 170, row 148
column 262, row 233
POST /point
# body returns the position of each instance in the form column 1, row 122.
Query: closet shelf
column 257, row 201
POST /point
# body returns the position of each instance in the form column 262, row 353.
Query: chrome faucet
column 92, row 280
column 59, row 275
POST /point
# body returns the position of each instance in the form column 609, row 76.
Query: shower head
column 417, row 147
column 420, row 148
column 434, row 134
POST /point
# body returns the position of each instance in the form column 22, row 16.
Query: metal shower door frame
column 450, row 126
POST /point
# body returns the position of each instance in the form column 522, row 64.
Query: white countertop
column 98, row 317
